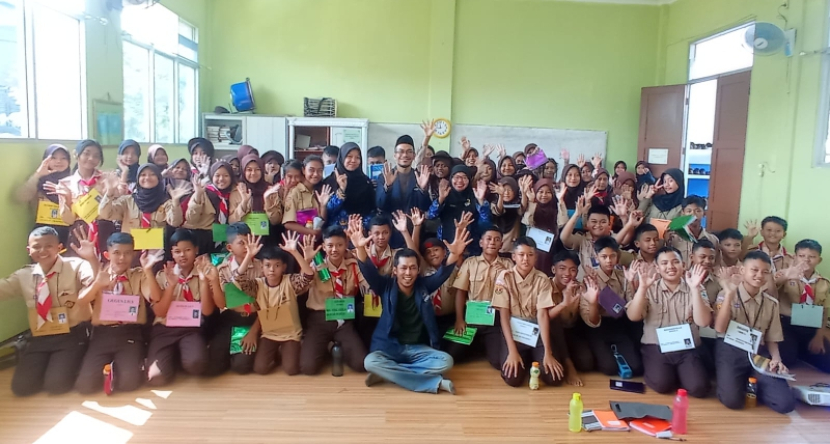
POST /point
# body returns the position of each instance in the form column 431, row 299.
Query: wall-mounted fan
column 767, row 39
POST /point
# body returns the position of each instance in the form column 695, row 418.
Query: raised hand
column 560, row 192
column 428, row 127
column 423, row 177
column 646, row 192
column 389, row 175
column 647, row 276
column 597, row 160
column 443, row 190
column 728, row 278
column 178, row 192
column 526, row 184
column 580, row 161
column 58, row 189
column 85, row 247
column 752, row 228
column 355, row 221
column 582, row 206
column 487, row 150
column 566, row 155
column 795, row 272
column 496, row 188
column 198, row 186
column 202, row 163
column 290, row 240
column 309, row 251
column 253, row 246
column 43, row 169
column 459, row 244
column 695, row 276
column 591, row 293
column 170, row 273
column 149, row 259
column 590, row 191
column 481, row 192
column 244, row 191
column 502, row 151
column 357, row 237
column 571, row 294
column 635, row 218
column 632, row 272
column 416, row 216
column 275, row 189
column 342, row 180
column 103, row 280
column 619, row 207
column 658, row 185
column 324, row 195
column 465, row 144
column 465, row 220
column 399, row 221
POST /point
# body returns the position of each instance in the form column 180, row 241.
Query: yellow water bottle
column 575, row 417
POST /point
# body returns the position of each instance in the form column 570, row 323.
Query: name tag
column 58, row 326
column 480, row 313
column 258, row 223
column 675, row 338
column 807, row 315
column 544, row 239
column 148, row 238
column 184, row 314
column 340, row 309
column 745, row 338
column 48, row 213
column 371, row 306
column 86, row 207
column 525, row 332
column 119, row 308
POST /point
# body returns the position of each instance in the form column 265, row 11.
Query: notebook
column 609, row 422
column 650, row 426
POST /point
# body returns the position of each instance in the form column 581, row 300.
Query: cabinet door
column 266, row 133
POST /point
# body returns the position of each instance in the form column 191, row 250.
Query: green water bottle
column 575, row 417
column 322, row 270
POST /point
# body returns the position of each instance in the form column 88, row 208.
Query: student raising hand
column 443, row 190
column 417, row 217
column 389, row 175
column 85, row 248
column 695, row 276
column 342, row 180
column 646, row 192
column 481, row 192
column 591, row 292
column 648, row 276
column 290, row 241
column 465, row 220
column 400, row 221
column 423, row 177
column 324, row 195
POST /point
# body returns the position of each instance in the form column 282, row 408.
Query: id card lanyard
column 757, row 315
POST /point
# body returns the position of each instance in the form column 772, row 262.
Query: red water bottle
column 678, row 416
column 108, row 382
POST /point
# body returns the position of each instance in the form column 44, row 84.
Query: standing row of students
column 667, row 281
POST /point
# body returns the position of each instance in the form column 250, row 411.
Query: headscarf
column 83, row 145
column 151, row 154
column 507, row 221
column 215, row 194
column 207, row 147
column 178, row 182
column 360, row 193
column 457, row 202
column 434, row 181
column 148, row 200
column 644, row 179
column 545, row 216
column 54, row 177
column 572, row 193
column 132, row 174
column 501, row 161
column 517, row 154
column 667, row 201
column 257, row 188
column 622, row 178
column 279, row 158
column 602, row 197
column 244, row 151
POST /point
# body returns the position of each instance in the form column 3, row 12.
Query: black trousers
column 733, row 373
column 795, row 346
column 171, row 346
column 121, row 345
column 219, row 347
column 623, row 334
column 529, row 355
column 488, row 342
column 51, row 363
column 666, row 372
column 316, row 340
column 579, row 348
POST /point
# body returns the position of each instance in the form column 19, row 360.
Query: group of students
column 391, row 268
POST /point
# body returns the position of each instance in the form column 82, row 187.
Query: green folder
column 220, row 232
column 237, row 334
column 465, row 339
column 217, row 258
column 340, row 309
column 259, row 224
column 680, row 225
column 234, row 297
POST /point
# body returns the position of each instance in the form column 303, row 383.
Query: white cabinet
column 317, row 132
column 265, row 133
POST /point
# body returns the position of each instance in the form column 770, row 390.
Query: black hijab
column 667, row 201
column 178, row 182
column 132, row 173
column 207, row 147
column 149, row 200
column 458, row 201
column 57, row 175
column 360, row 194
column 572, row 193
column 83, row 145
column 643, row 179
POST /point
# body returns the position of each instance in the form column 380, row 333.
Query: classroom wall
column 104, row 82
column 516, row 62
column 783, row 107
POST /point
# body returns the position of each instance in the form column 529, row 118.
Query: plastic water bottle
column 337, row 360
column 575, row 417
column 751, row 393
column 678, row 414
column 108, row 382
column 534, row 376
column 322, row 271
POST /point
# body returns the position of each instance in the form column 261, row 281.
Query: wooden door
column 726, row 176
column 662, row 121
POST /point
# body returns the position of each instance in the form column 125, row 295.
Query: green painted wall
column 783, row 108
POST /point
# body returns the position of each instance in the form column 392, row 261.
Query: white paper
column 742, row 337
column 807, row 315
column 352, row 135
column 544, row 239
column 658, row 156
column 708, row 332
column 525, row 332
column 675, row 338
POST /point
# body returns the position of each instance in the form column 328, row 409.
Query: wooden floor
column 300, row 409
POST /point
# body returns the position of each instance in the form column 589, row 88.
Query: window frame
column 29, row 52
column 693, row 48
column 178, row 60
column 821, row 151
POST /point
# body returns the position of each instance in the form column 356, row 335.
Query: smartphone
column 627, row 386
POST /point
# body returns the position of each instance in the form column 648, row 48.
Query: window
column 161, row 74
column 720, row 54
column 42, row 69
column 822, row 149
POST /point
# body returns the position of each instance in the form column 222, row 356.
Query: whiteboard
column 514, row 138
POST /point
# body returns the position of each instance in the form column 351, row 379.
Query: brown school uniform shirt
column 299, row 198
column 587, row 255
column 522, row 297
column 29, row 194
column 194, row 285
column 790, row 293
column 71, row 276
column 685, row 247
column 666, row 308
column 74, row 183
column 567, row 316
column 229, row 266
column 352, row 279
column 780, row 261
column 616, row 280
column 447, row 292
column 652, row 212
column 477, row 277
column 124, row 209
column 711, row 288
column 201, row 215
column 272, row 207
column 282, row 296
column 388, row 255
column 135, row 285
column 762, row 310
